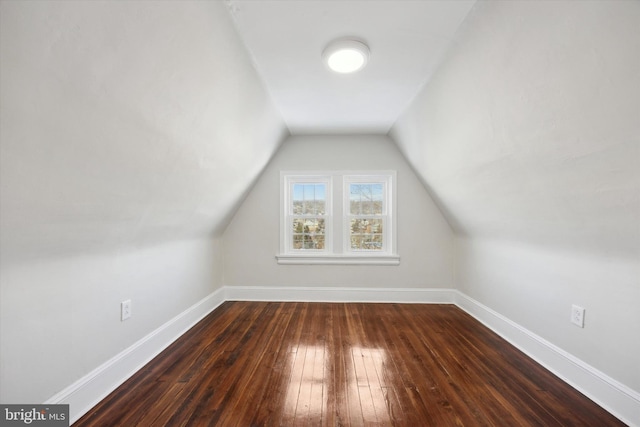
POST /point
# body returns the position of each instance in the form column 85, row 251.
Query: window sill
column 315, row 259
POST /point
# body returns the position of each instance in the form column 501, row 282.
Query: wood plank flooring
column 321, row 364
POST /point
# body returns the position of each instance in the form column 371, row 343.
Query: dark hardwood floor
column 317, row 364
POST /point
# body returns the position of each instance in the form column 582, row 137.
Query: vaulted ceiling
column 407, row 39
column 125, row 123
column 132, row 123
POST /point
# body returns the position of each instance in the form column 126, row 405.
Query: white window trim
column 338, row 259
column 337, row 250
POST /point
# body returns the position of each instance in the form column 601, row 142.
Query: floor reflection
column 369, row 365
column 360, row 387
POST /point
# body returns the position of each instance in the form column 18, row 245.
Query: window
column 367, row 212
column 308, row 214
column 338, row 217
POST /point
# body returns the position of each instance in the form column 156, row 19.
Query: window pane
column 309, row 199
column 308, row 233
column 365, row 199
column 317, row 242
column 366, row 234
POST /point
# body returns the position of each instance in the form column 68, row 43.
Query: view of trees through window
column 366, row 210
column 309, row 208
column 337, row 214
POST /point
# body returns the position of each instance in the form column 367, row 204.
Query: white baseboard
column 335, row 294
column 89, row 390
column 615, row 397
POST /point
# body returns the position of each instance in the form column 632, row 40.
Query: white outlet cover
column 577, row 315
column 125, row 309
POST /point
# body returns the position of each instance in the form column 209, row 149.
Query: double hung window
column 308, row 214
column 366, row 212
column 337, row 217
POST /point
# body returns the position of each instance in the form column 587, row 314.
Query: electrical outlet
column 577, row 315
column 125, row 310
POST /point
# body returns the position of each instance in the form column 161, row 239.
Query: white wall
column 425, row 240
column 535, row 287
column 130, row 132
column 61, row 317
column 125, row 123
column 529, row 137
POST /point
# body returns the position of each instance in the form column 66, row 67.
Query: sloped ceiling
column 286, row 39
column 131, row 122
column 124, row 124
column 530, row 130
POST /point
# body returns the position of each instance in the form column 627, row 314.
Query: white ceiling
column 286, row 38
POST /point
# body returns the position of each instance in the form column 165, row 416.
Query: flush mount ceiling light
column 346, row 56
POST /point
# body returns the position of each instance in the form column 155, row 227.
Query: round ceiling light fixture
column 346, row 56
